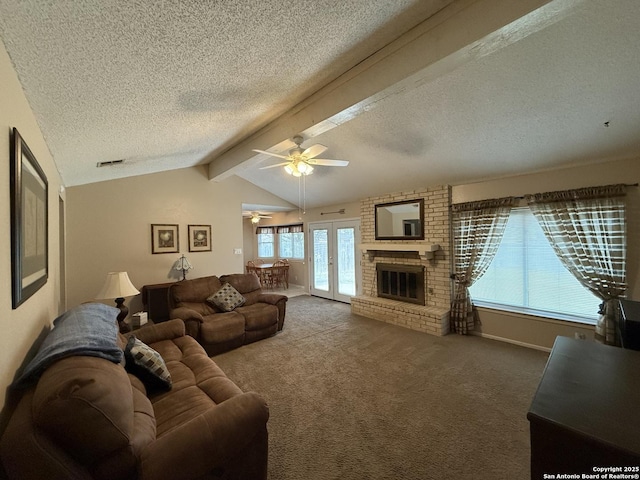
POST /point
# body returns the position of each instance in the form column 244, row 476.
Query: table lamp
column 117, row 285
column 183, row 265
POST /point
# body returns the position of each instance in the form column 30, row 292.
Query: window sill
column 537, row 314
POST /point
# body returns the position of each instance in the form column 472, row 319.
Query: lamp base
column 124, row 311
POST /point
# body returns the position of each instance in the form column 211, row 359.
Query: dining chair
column 278, row 272
column 286, row 272
column 251, row 267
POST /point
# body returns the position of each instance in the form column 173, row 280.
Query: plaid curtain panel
column 587, row 230
column 478, row 228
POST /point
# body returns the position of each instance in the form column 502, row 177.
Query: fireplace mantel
column 424, row 250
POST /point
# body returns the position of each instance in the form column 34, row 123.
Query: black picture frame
column 165, row 238
column 199, row 238
column 29, row 222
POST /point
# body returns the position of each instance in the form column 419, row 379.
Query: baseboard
column 514, row 342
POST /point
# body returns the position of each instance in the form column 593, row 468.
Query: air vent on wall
column 109, row 163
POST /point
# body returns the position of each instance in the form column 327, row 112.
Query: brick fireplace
column 431, row 256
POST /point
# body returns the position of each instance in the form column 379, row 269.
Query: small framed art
column 199, row 238
column 164, row 238
column 29, row 223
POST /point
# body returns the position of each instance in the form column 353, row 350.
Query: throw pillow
column 227, row 298
column 147, row 364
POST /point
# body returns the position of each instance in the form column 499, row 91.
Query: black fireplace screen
column 401, row 282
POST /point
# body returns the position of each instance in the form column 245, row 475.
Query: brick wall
column 433, row 317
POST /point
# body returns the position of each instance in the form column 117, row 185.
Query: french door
column 334, row 263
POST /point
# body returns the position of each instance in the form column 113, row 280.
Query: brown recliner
column 261, row 315
column 87, row 418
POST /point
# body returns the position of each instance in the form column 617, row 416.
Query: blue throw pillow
column 147, row 364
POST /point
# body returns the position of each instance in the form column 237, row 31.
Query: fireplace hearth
column 401, row 282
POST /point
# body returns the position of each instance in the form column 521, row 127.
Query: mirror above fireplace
column 400, row 220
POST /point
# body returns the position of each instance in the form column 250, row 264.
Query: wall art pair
column 165, row 238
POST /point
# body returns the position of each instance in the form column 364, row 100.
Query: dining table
column 265, row 272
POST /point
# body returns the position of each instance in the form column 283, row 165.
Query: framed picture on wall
column 29, row 223
column 164, row 238
column 199, row 238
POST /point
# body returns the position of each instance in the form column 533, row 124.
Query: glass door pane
column 334, row 260
column 321, row 255
column 346, row 249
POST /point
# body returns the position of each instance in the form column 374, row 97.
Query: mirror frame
column 420, row 201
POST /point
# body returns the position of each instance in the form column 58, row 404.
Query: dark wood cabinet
column 630, row 324
column 586, row 411
column 155, row 301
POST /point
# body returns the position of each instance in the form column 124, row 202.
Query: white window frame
column 275, row 241
column 295, row 237
column 259, row 243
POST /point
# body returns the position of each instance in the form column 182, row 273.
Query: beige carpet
column 354, row 398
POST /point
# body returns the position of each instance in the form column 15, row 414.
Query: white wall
column 541, row 332
column 20, row 328
column 109, row 228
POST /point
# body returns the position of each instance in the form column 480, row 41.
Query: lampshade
column 117, row 285
column 183, row 264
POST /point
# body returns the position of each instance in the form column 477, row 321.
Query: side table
column 155, row 301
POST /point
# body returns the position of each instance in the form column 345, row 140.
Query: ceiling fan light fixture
column 298, row 162
column 298, row 168
column 255, row 220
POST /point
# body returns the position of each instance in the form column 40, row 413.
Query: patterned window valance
column 606, row 191
column 297, row 228
column 484, row 204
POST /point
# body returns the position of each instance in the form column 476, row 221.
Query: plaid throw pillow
column 146, row 364
column 227, row 298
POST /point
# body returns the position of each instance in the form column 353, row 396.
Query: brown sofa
column 261, row 316
column 87, row 418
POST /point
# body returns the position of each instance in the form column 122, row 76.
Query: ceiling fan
column 300, row 161
column 255, row 216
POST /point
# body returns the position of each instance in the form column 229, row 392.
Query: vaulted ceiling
column 412, row 92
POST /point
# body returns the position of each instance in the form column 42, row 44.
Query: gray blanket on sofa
column 90, row 329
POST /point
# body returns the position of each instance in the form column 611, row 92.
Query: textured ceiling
column 164, row 84
column 539, row 103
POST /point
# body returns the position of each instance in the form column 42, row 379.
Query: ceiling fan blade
column 270, row 153
column 264, row 216
column 314, row 150
column 328, row 163
column 276, row 165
